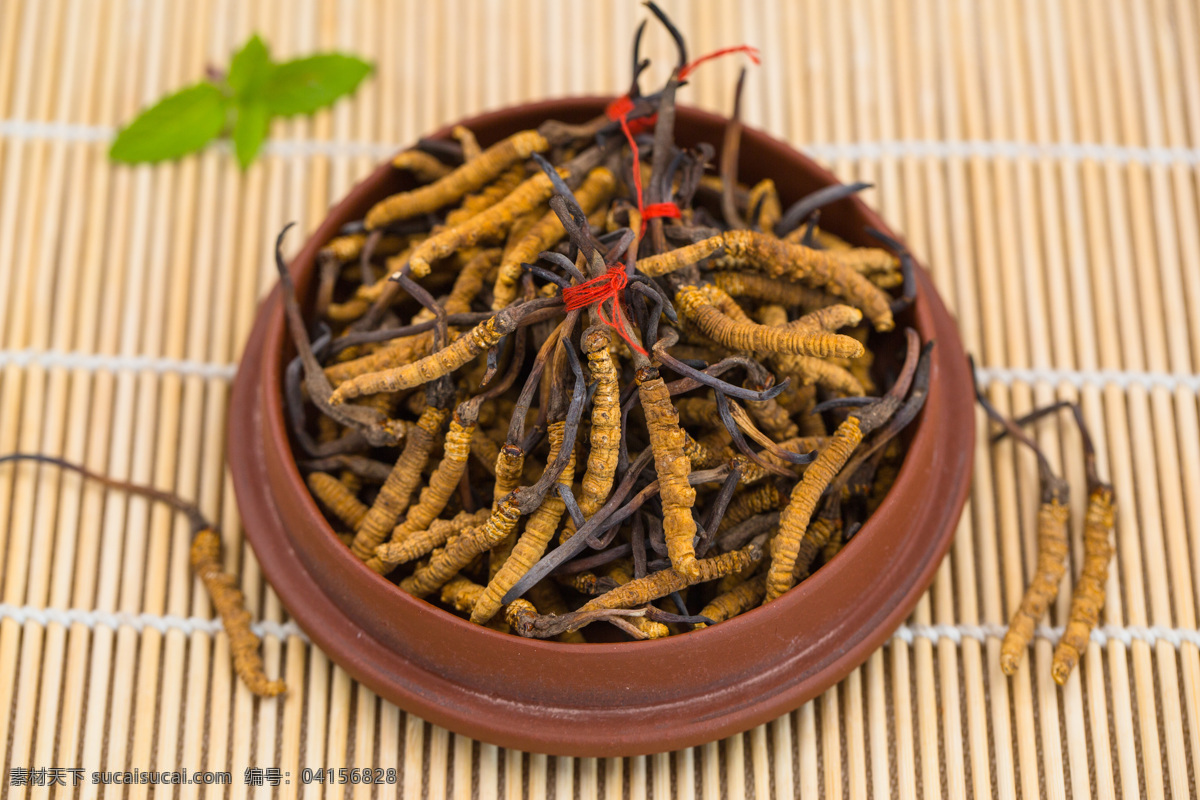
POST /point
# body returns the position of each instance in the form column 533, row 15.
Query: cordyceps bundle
column 1052, row 524
column 581, row 376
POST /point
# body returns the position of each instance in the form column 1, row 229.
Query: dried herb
column 1087, row 600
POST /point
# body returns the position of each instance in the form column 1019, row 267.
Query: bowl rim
column 553, row 727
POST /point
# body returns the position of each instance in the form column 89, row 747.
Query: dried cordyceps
column 744, row 596
column 473, row 175
column 337, row 498
column 793, row 524
column 487, row 226
column 832, row 269
column 442, row 484
column 662, row 583
column 445, row 361
column 542, row 526
column 421, row 543
column 1052, row 520
column 1053, row 516
column 669, row 338
column 698, row 306
column 605, row 432
column 394, row 495
column 1087, row 600
column 205, row 558
column 547, row 232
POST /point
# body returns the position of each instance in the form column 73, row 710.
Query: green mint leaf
column 305, row 85
column 249, row 131
column 178, row 124
column 250, row 68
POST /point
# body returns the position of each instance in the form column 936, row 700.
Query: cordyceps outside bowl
column 600, row 699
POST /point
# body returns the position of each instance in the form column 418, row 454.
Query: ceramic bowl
column 621, row 698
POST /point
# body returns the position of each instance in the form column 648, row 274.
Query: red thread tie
column 621, row 107
column 637, row 167
column 642, row 124
column 596, row 292
column 618, row 110
column 690, row 67
column 660, row 210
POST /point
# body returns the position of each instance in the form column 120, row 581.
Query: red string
column 618, row 110
column 621, row 107
column 609, row 286
column 596, row 292
column 660, row 210
column 637, row 165
column 689, row 68
column 642, row 124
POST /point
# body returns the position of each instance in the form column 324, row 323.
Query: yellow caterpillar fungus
column 467, row 178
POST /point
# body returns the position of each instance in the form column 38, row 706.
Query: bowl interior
column 620, row 698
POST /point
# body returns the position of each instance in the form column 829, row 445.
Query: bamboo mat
column 1041, row 157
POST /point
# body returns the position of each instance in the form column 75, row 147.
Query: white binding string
column 1101, row 635
column 830, row 151
column 1100, row 377
column 1074, row 152
column 164, row 623
column 908, row 634
column 94, row 362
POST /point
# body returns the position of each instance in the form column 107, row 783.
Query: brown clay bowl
column 604, row 699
